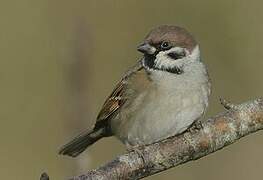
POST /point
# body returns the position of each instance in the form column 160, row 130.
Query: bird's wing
column 117, row 97
column 111, row 106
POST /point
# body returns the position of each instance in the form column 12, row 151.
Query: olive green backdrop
column 60, row 59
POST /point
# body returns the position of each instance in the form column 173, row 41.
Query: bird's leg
column 131, row 148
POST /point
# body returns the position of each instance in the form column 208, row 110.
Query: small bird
column 165, row 93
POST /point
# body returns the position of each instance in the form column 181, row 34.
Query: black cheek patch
column 176, row 55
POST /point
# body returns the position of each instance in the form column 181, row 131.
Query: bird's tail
column 81, row 142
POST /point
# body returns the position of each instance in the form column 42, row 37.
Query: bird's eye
column 165, row 45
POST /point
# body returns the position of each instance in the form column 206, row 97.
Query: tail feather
column 81, row 142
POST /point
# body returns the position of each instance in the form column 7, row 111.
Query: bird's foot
column 196, row 126
column 136, row 149
column 227, row 105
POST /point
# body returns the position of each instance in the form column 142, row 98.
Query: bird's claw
column 196, row 126
column 227, row 105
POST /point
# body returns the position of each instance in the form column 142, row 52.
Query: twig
column 216, row 133
column 44, row 176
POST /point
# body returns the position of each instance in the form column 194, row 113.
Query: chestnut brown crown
column 176, row 36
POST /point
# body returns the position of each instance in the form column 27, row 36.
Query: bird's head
column 169, row 48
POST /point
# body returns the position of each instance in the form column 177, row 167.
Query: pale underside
column 149, row 106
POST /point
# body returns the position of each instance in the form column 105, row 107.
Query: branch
column 215, row 133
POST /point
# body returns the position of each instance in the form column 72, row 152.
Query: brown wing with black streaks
column 102, row 126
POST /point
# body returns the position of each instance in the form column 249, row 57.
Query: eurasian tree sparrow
column 161, row 96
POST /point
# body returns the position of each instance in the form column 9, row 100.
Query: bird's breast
column 162, row 109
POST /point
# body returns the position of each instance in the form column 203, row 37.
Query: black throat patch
column 149, row 61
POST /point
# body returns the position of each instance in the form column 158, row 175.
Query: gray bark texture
column 214, row 134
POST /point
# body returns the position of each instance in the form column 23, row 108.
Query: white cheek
column 164, row 61
column 195, row 54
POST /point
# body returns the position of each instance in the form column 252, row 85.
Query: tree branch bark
column 215, row 133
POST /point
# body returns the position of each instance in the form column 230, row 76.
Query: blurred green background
column 61, row 59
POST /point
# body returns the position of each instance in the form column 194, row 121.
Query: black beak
column 146, row 48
